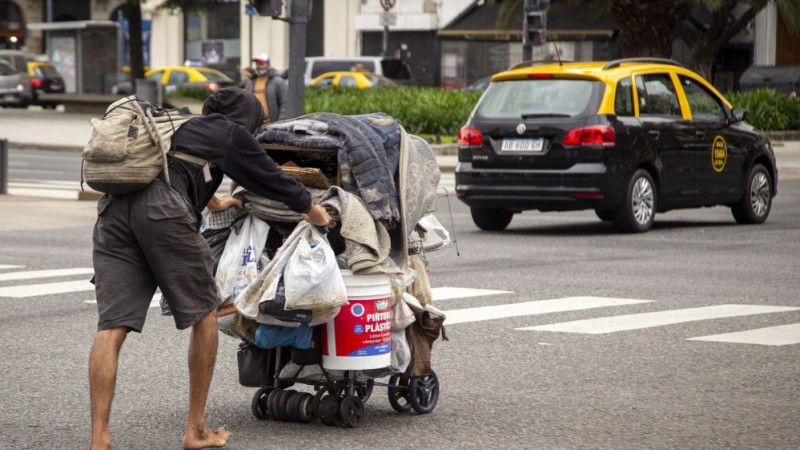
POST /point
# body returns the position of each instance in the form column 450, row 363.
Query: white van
column 19, row 61
column 394, row 69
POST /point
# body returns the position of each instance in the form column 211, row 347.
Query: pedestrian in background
column 270, row 89
column 151, row 238
column 247, row 74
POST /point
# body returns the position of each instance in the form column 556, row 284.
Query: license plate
column 9, row 98
column 523, row 145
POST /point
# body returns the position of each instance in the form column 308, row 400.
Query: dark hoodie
column 223, row 135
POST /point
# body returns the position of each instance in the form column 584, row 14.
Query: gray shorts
column 148, row 239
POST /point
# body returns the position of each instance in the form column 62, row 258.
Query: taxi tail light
column 37, row 83
column 594, row 135
column 469, row 137
column 538, row 76
column 211, row 87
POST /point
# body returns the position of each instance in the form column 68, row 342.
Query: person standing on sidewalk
column 270, row 89
column 150, row 238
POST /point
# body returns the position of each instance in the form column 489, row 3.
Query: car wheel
column 604, row 214
column 491, row 219
column 756, row 202
column 639, row 205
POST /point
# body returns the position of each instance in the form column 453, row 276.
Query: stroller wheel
column 364, row 390
column 424, row 393
column 351, row 411
column 259, row 403
column 399, row 394
column 329, row 410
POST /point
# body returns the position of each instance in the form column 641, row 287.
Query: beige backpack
column 129, row 145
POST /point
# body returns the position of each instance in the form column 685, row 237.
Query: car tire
column 491, row 219
column 638, row 208
column 605, row 215
column 756, row 201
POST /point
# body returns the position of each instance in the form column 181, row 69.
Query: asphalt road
column 562, row 385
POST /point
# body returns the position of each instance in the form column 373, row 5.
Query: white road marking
column 534, row 308
column 626, row 322
column 779, row 335
column 10, row 266
column 446, row 293
column 32, row 290
column 43, row 273
column 154, row 302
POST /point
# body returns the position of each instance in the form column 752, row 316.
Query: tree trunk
column 646, row 28
column 135, row 34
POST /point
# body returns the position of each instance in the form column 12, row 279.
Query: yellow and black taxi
column 627, row 138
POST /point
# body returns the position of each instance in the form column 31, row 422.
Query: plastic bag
column 401, row 353
column 238, row 265
column 311, row 277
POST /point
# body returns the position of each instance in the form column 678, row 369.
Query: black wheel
column 604, row 214
column 756, row 202
column 306, row 409
column 364, row 390
column 399, row 394
column 259, row 403
column 351, row 411
column 639, row 205
column 329, row 410
column 293, row 406
column 424, row 393
column 491, row 219
column 281, row 410
column 272, row 404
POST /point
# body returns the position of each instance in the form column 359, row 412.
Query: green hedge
column 420, row 110
column 768, row 109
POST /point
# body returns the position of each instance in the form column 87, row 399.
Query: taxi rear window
column 540, row 98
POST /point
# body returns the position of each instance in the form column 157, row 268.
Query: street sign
column 389, row 19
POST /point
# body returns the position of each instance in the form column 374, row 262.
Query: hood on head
column 237, row 105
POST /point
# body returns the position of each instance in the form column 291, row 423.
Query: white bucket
column 359, row 337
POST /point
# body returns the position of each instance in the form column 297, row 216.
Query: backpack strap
column 197, row 161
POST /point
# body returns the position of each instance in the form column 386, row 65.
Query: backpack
column 129, row 145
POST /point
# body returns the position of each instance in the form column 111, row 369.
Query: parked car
column 627, row 138
column 360, row 80
column 394, row 69
column 45, row 79
column 174, row 77
column 19, row 62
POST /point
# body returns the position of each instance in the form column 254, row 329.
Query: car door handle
column 654, row 134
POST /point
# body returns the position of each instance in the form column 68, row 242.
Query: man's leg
column 102, row 382
column 202, row 357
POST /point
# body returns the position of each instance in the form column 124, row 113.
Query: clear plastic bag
column 312, row 277
column 238, row 265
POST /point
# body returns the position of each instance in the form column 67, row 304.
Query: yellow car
column 359, row 80
column 45, row 79
column 174, row 77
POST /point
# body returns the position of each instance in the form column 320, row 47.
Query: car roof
column 607, row 71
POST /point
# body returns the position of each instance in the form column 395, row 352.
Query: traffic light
column 536, row 27
column 272, row 8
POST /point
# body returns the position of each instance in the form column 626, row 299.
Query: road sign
column 389, row 19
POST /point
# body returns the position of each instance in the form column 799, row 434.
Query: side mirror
column 738, row 115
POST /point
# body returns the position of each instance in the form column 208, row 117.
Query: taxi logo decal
column 719, row 154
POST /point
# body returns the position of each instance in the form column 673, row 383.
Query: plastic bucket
column 359, row 337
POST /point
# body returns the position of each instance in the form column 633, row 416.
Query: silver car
column 12, row 87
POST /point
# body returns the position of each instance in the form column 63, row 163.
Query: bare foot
column 206, row 438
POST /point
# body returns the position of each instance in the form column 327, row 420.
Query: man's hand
column 317, row 215
column 217, row 204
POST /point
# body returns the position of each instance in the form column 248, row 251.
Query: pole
column 298, row 21
column 3, row 166
column 385, row 46
column 527, row 45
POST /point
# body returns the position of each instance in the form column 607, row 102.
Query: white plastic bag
column 312, row 277
column 401, row 352
column 238, row 265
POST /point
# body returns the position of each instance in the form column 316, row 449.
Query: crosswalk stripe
column 534, row 308
column 446, row 293
column 779, row 335
column 32, row 290
column 10, row 266
column 43, row 273
column 154, row 302
column 626, row 322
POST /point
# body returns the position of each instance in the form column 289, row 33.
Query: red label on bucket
column 362, row 328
